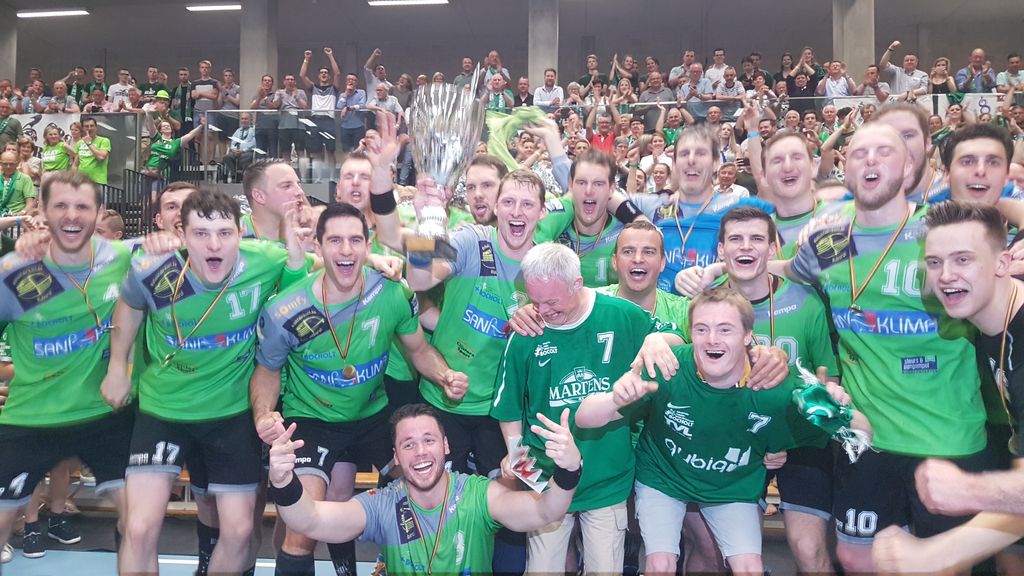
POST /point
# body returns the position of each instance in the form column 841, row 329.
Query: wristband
column 418, row 259
column 565, row 479
column 383, row 204
column 632, row 164
column 287, row 495
column 753, row 135
column 627, row 212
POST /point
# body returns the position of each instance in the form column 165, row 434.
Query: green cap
column 163, row 94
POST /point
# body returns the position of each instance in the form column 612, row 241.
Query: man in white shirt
column 550, row 94
column 118, row 93
column 727, row 182
column 905, row 79
column 1012, row 76
column 716, row 72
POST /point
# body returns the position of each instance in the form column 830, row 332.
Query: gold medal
column 168, row 358
column 856, row 310
column 349, row 372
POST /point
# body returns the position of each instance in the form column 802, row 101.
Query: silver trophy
column 446, row 122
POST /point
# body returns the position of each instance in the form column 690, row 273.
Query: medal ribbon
column 855, row 292
column 685, row 237
column 352, row 323
column 1001, row 376
column 84, row 287
column 440, row 525
column 174, row 316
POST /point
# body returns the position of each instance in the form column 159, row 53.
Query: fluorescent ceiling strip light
column 213, row 7
column 52, row 13
column 405, row 2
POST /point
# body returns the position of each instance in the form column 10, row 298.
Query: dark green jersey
column 293, row 331
column 909, row 367
column 559, row 369
column 667, row 307
column 205, row 374
column 704, row 444
column 59, row 347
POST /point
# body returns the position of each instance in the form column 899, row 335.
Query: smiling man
column 977, row 160
column 200, row 309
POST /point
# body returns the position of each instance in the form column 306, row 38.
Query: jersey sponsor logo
column 488, row 267
column 289, row 306
column 40, row 321
column 214, row 341
column 33, row 285
column 484, row 323
column 832, row 246
column 336, row 378
column 161, row 283
column 734, row 458
column 482, row 291
column 785, row 310
column 69, row 343
column 575, row 386
column 545, row 349
column 306, row 324
column 408, row 530
column 920, row 364
column 465, row 350
column 886, row 322
column 371, row 294
column 693, row 257
column 678, row 419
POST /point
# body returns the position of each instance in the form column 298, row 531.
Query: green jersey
column 162, row 151
column 407, row 533
column 559, row 369
column 293, row 331
column 705, row 444
column 484, row 290
column 55, row 157
column 398, row 367
column 668, row 307
column 200, row 369
column 60, row 339
column 14, row 192
column 595, row 252
column 910, row 368
column 95, row 169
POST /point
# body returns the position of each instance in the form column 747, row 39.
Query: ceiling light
column 405, row 2
column 52, row 13
column 213, row 7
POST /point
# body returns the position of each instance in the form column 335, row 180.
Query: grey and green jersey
column 910, row 368
column 59, row 348
column 789, row 229
column 205, row 377
column 595, row 252
column 483, row 291
column 559, row 369
column 293, row 331
column 407, row 533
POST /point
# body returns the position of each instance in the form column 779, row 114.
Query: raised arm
column 304, row 70
column 335, row 69
column 884, row 62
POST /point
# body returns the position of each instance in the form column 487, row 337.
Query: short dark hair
column 340, row 210
column 1012, row 55
column 746, row 214
column 207, row 203
column 595, row 156
column 975, row 132
column 414, row 411
column 489, row 161
column 953, row 212
column 255, row 172
column 644, row 225
column 89, row 118
column 552, row 70
column 71, row 178
column 173, row 187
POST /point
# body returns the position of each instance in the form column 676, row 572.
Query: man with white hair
column 540, row 376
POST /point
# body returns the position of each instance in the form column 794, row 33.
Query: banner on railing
column 34, row 125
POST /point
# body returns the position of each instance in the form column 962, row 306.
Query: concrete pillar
column 257, row 46
column 8, row 43
column 853, row 34
column 542, row 51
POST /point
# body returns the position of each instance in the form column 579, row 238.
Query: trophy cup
column 445, row 125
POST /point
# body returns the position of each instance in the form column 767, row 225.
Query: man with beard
column 17, row 193
column 334, row 385
column 458, row 513
column 193, row 396
column 483, row 176
column 58, row 316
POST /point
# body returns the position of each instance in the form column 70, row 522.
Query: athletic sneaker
column 6, row 554
column 32, row 545
column 60, row 529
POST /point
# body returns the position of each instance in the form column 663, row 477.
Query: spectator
column 654, row 153
column 679, row 74
column 57, row 154
column 908, row 81
column 550, row 94
column 523, row 96
column 747, row 77
column 656, row 92
column 785, row 65
column 375, row 74
column 465, row 78
column 239, row 155
column 230, row 101
column 755, row 58
column 727, row 181
column 940, row 81
column 625, row 71
column 165, row 148
column 422, row 81
column 152, row 85
column 492, row 68
column 97, row 103
column 7, row 90
column 872, row 86
column 404, row 92
column 28, row 163
column 350, row 102
column 99, row 76
column 290, row 134
column 602, row 139
column 624, row 97
column 110, row 225
column 181, row 100
column 498, row 98
column 386, row 101
column 437, row 78
column 1012, row 77
column 266, row 122
column 75, row 84
column 671, row 123
column 118, row 93
column 694, row 93
column 17, row 194
column 35, row 75
column 323, row 103
column 206, row 96
column 92, row 153
column 652, row 64
column 837, row 83
column 61, row 101
column 730, row 92
column 728, row 148
column 592, row 74
column 978, row 75
column 32, row 101
column 716, row 71
column 801, row 92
